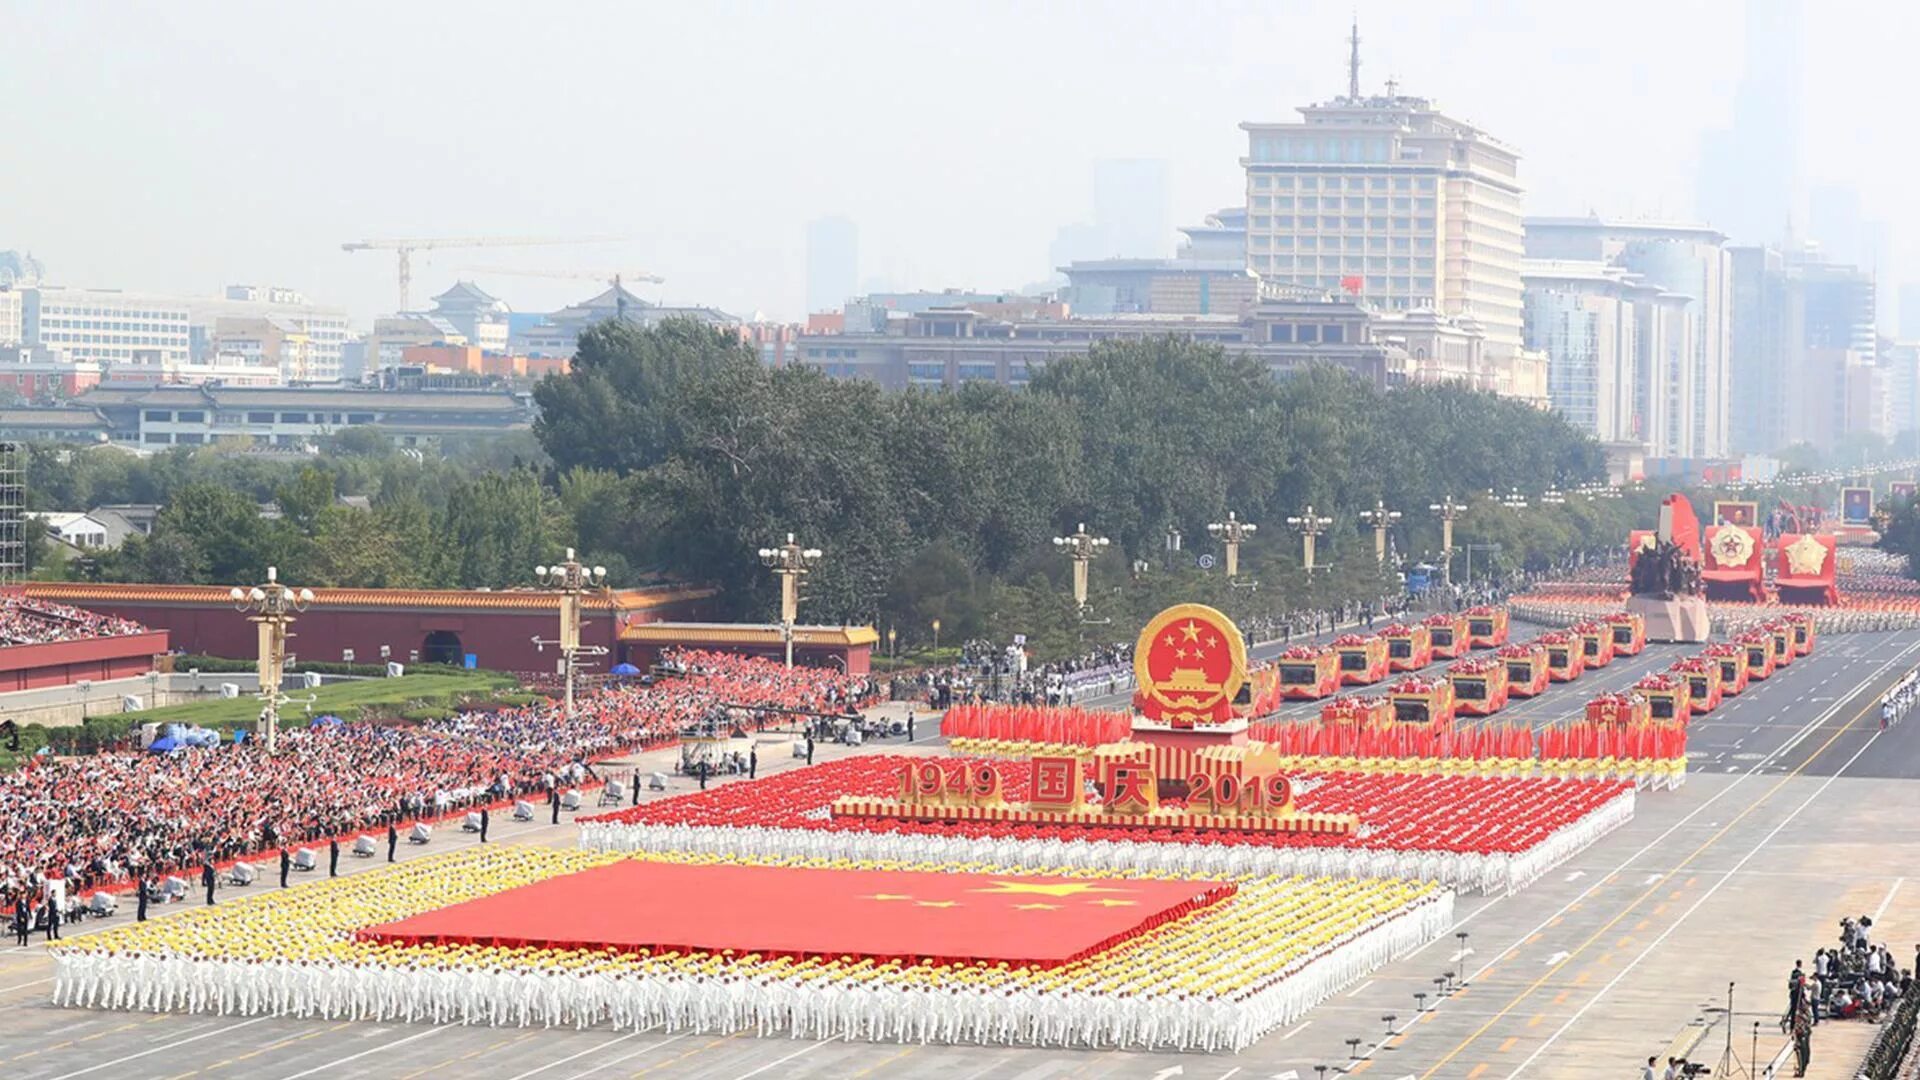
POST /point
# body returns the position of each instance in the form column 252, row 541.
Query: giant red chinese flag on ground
column 635, row 905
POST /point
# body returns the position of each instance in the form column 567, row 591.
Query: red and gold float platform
column 1487, row 626
column 1624, row 709
column 1784, row 652
column 1357, row 710
column 1308, row 673
column 1702, row 674
column 1731, row 658
column 1527, row 673
column 1804, row 631
column 1422, row 701
column 1447, row 634
column 1566, row 655
column 1761, row 658
column 1596, row 642
column 1409, row 648
column 1629, row 632
column 1479, row 685
column 1363, row 658
column 1668, row 696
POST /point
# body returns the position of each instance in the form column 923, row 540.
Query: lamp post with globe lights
column 1232, row 533
column 571, row 579
column 1448, row 512
column 1081, row 546
column 1381, row 519
column 1309, row 525
column 271, row 607
column 790, row 563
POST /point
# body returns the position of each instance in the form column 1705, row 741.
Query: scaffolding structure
column 13, row 506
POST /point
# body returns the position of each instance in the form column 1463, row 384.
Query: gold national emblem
column 1806, row 556
column 1732, row 546
column 1190, row 662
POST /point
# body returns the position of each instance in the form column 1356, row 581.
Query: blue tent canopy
column 329, row 720
column 163, row 744
column 625, row 669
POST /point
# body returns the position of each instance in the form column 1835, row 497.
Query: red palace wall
column 497, row 629
column 62, row 663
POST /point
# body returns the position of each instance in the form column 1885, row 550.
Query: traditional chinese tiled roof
column 620, row 600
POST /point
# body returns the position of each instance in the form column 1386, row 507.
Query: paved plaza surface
column 1796, row 813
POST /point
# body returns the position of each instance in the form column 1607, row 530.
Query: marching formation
column 1214, row 980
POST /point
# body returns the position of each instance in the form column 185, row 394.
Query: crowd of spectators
column 38, row 622
column 101, row 817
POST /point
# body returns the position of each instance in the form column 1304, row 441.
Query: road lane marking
column 336, row 1063
column 158, row 1049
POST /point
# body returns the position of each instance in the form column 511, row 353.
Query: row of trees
column 673, row 452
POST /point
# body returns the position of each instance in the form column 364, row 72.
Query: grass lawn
column 341, row 699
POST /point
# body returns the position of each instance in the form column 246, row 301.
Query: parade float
column 1356, row 710
column 1623, row 709
column 1409, row 647
column 1761, row 657
column 1308, row 673
column 1363, row 658
column 1479, row 685
column 1629, row 632
column 1486, row 626
column 1731, row 657
column 1702, row 674
column 1422, row 701
column 1783, row 635
column 1527, row 674
column 1806, row 569
column 1447, row 634
column 1596, row 643
column 1668, row 696
column 1566, row 655
column 1663, row 576
column 1736, row 564
column 1805, row 632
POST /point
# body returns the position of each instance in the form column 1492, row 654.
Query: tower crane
column 614, row 278
column 406, row 247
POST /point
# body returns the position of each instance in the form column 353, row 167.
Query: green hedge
column 214, row 665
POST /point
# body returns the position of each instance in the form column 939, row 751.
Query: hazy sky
column 183, row 145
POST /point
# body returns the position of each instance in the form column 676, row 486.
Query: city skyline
column 953, row 174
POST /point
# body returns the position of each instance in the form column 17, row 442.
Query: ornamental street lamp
column 1309, row 525
column 1381, row 519
column 936, row 636
column 1448, row 512
column 892, row 636
column 272, row 608
column 1081, row 546
column 789, row 562
column 571, row 579
column 1232, row 533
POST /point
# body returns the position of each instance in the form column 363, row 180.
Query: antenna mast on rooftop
column 1353, row 62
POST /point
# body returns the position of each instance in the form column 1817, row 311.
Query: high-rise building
column 12, row 316
column 1804, row 351
column 1131, row 206
column 1682, row 378
column 1751, row 178
column 1587, row 315
column 106, row 326
column 833, row 262
column 1909, row 302
column 1394, row 202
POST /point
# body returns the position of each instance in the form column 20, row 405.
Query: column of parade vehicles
column 1485, row 671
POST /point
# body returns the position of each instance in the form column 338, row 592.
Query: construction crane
column 406, row 248
column 614, row 279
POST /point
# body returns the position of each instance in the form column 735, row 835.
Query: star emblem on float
column 1806, row 555
column 1732, row 546
column 1190, row 661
